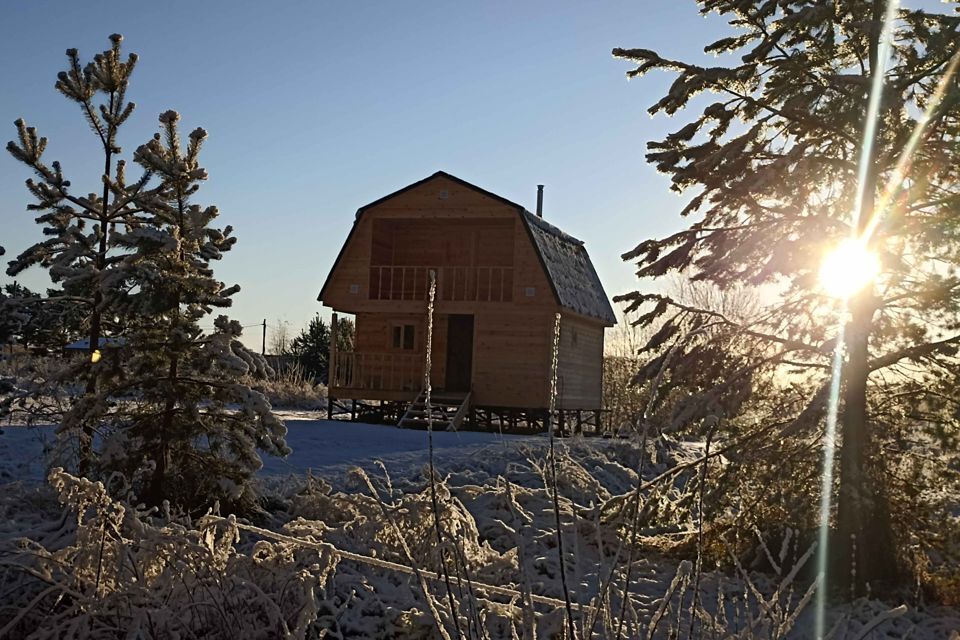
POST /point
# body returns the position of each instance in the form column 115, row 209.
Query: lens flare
column 845, row 271
column 848, row 269
column 904, row 161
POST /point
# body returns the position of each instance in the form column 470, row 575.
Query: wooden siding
column 511, row 354
column 462, row 213
column 426, row 242
column 579, row 363
column 511, row 358
column 374, row 334
column 425, row 227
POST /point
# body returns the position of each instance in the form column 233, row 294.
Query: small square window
column 403, row 337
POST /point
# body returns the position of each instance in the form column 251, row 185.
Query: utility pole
column 263, row 345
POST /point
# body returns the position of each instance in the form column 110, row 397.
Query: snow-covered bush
column 290, row 388
column 108, row 569
column 361, row 561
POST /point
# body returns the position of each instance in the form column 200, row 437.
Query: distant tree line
column 310, row 349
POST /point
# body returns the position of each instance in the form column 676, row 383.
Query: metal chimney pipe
column 539, row 200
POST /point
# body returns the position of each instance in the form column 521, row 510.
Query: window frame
column 399, row 333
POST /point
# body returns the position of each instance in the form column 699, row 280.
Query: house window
column 403, row 336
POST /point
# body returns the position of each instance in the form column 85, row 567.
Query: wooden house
column 502, row 274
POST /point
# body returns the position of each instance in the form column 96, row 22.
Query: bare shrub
column 362, row 562
column 111, row 570
column 291, row 388
column 621, row 362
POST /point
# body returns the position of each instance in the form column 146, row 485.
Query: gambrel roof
column 575, row 281
column 572, row 277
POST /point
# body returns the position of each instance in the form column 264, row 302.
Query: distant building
column 109, row 347
column 84, row 344
column 502, row 275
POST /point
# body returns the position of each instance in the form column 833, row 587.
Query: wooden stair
column 448, row 411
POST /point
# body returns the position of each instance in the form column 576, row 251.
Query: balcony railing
column 454, row 284
column 378, row 371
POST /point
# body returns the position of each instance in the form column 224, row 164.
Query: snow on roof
column 569, row 268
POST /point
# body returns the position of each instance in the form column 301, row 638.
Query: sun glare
column 848, row 269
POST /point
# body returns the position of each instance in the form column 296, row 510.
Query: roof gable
column 564, row 259
column 430, row 178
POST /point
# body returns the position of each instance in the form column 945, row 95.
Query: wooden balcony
column 378, row 372
column 454, row 284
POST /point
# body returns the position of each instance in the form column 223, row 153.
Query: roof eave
column 343, row 249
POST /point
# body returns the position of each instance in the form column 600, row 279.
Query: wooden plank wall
column 579, row 363
column 462, row 206
column 512, row 340
column 511, row 353
column 440, row 242
column 511, row 358
column 374, row 335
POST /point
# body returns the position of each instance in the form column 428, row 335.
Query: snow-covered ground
column 324, row 447
column 22, row 452
column 330, row 447
column 486, row 512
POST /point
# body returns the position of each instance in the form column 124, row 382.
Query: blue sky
column 315, row 108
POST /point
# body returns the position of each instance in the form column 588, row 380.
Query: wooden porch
column 377, row 376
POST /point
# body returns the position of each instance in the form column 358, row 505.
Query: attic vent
column 530, row 292
column 444, row 194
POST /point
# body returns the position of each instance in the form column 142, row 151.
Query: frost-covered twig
column 529, row 619
column 698, row 569
column 413, row 565
column 428, row 388
column 879, row 619
column 553, row 476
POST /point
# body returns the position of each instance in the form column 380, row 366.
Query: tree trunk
column 156, row 492
column 863, row 551
column 85, row 448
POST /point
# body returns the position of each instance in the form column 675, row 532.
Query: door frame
column 473, row 348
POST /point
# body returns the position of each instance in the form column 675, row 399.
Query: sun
column 848, row 269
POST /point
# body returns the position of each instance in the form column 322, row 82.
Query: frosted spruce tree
column 192, row 434
column 782, row 167
column 136, row 259
column 77, row 249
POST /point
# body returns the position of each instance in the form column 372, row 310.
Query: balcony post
column 332, row 354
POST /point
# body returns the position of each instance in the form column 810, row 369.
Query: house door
column 459, row 352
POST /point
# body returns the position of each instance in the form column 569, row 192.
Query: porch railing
column 454, row 284
column 378, row 371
